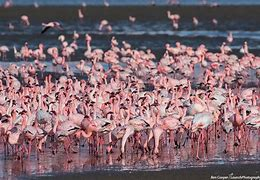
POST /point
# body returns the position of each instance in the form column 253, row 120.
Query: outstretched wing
column 45, row 29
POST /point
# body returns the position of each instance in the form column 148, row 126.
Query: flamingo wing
column 45, row 29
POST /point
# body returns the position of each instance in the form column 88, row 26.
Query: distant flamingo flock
column 127, row 98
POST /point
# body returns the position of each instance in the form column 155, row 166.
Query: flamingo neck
column 254, row 103
column 225, row 114
column 199, row 100
column 183, row 114
column 9, row 107
column 244, row 116
column 24, row 122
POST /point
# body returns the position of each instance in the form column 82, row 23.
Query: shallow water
column 170, row 158
column 131, row 2
column 151, row 30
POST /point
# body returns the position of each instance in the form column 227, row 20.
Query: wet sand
column 219, row 171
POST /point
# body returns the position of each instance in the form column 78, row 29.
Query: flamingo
column 83, row 68
column 195, row 21
column 5, row 126
column 230, row 37
column 80, row 14
column 36, row 5
column 132, row 19
column 30, row 134
column 4, row 50
column 227, row 125
column 105, row 26
column 167, row 123
column 106, row 3
column 200, row 122
column 25, row 20
column 244, row 49
column 64, row 130
column 215, row 22
column 47, row 26
column 11, row 26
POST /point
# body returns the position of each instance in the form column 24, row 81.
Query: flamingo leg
column 129, row 131
column 109, row 148
column 150, row 136
column 226, row 143
column 67, row 144
column 157, row 131
column 29, row 148
column 258, row 131
column 101, row 143
column 234, row 138
column 247, row 139
column 206, row 140
column 5, row 147
column 198, row 145
column 215, row 128
column 137, row 142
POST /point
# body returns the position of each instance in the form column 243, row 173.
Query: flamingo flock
column 127, row 98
